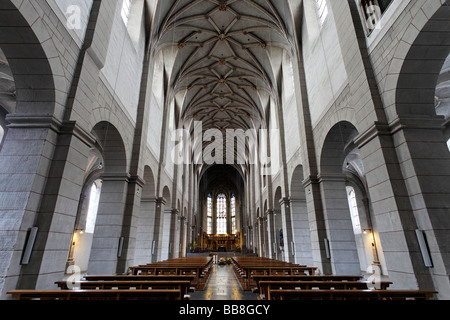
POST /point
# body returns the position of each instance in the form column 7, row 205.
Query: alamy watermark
column 372, row 14
column 230, row 146
column 73, row 17
column 73, row 281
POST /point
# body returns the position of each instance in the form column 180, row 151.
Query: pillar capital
column 137, row 180
column 161, row 201
column 119, row 177
column 331, row 177
column 285, row 202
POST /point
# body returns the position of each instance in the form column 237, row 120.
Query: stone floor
column 223, row 285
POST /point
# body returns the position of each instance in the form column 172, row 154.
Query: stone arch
column 166, row 194
column 32, row 70
column 339, row 229
column 338, row 143
column 3, row 125
column 112, row 147
column 82, row 237
column 422, row 86
column 424, row 57
column 108, row 245
column 421, row 135
column 27, row 47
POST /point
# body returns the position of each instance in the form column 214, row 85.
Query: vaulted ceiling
column 224, row 63
column 225, row 70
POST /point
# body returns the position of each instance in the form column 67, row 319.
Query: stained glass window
column 233, row 214
column 221, row 214
column 209, row 214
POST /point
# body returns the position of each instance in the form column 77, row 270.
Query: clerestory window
column 126, row 9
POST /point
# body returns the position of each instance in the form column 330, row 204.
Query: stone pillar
column 145, row 232
column 130, row 223
column 340, row 235
column 41, row 171
column 260, row 235
column 270, row 233
column 158, row 230
column 183, row 236
column 108, row 243
column 318, row 232
column 174, row 233
column 301, row 233
column 286, row 216
column 408, row 194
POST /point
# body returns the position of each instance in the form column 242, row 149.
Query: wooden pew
column 139, row 278
column 183, row 286
column 199, row 281
column 151, row 278
column 153, row 294
column 266, row 287
column 246, row 268
column 351, row 294
column 199, row 267
column 259, row 278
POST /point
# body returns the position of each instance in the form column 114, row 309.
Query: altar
column 219, row 242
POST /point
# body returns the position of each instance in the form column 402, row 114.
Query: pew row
column 246, row 269
column 277, row 294
column 266, row 287
column 153, row 294
column 183, row 286
column 198, row 267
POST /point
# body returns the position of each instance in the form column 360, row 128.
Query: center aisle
column 223, row 285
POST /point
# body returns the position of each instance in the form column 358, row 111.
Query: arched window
column 233, row 214
column 126, row 9
column 94, row 199
column 209, row 215
column 221, row 214
column 322, row 11
column 2, row 133
column 351, row 195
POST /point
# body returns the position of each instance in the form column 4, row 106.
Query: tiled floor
column 223, row 285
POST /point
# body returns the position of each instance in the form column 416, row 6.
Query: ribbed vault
column 223, row 71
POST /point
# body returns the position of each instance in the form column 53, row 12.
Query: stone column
column 41, row 172
column 286, row 216
column 340, row 235
column 108, row 243
column 270, row 232
column 301, row 233
column 145, row 231
column 158, row 230
column 183, row 236
column 317, row 226
column 260, row 230
column 408, row 194
column 174, row 234
column 130, row 223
